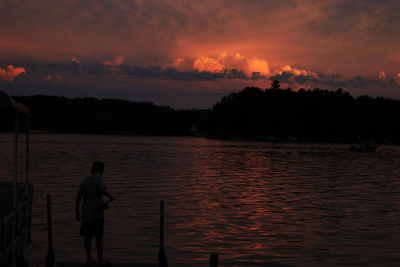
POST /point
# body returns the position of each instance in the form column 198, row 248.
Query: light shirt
column 91, row 195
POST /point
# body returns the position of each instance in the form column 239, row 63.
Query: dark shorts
column 95, row 228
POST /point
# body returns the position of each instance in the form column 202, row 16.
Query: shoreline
column 268, row 139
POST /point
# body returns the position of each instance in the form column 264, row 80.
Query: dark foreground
column 74, row 264
column 270, row 264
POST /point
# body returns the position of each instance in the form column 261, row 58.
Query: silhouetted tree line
column 106, row 116
column 251, row 114
column 306, row 115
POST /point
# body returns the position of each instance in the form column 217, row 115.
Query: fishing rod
column 105, row 204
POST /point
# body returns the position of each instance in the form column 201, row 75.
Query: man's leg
column 99, row 239
column 88, row 248
column 99, row 246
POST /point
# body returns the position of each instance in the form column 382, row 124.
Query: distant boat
column 367, row 148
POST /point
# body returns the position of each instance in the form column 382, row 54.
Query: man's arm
column 104, row 192
column 77, row 206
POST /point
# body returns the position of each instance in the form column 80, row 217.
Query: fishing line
column 105, row 204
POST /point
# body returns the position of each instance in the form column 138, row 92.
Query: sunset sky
column 188, row 54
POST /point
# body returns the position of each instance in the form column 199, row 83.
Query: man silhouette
column 92, row 220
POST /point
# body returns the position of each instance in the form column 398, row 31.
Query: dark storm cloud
column 284, row 77
column 174, row 74
column 335, row 81
column 144, row 72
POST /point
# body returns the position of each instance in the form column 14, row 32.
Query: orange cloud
column 208, row 64
column 9, row 73
column 177, row 62
column 118, row 60
column 257, row 65
column 382, row 75
column 249, row 65
column 53, row 78
column 295, row 72
column 223, row 55
column 225, row 61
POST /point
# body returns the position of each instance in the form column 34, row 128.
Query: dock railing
column 15, row 224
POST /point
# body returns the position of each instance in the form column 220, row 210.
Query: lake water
column 252, row 203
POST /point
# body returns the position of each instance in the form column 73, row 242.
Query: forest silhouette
column 306, row 115
column 272, row 114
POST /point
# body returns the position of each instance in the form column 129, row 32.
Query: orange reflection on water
column 230, row 210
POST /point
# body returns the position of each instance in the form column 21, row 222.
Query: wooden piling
column 27, row 157
column 161, row 225
column 213, row 260
column 50, row 258
column 16, row 127
column 162, row 258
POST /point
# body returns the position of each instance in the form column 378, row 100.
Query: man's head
column 97, row 167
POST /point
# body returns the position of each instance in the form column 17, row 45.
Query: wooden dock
column 113, row 265
column 74, row 264
column 266, row 264
column 15, row 224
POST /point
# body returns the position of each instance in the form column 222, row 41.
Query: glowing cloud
column 256, row 65
column 382, row 75
column 294, row 71
column 208, row 64
column 9, row 73
column 118, row 60
column 177, row 62
column 224, row 62
column 223, row 55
